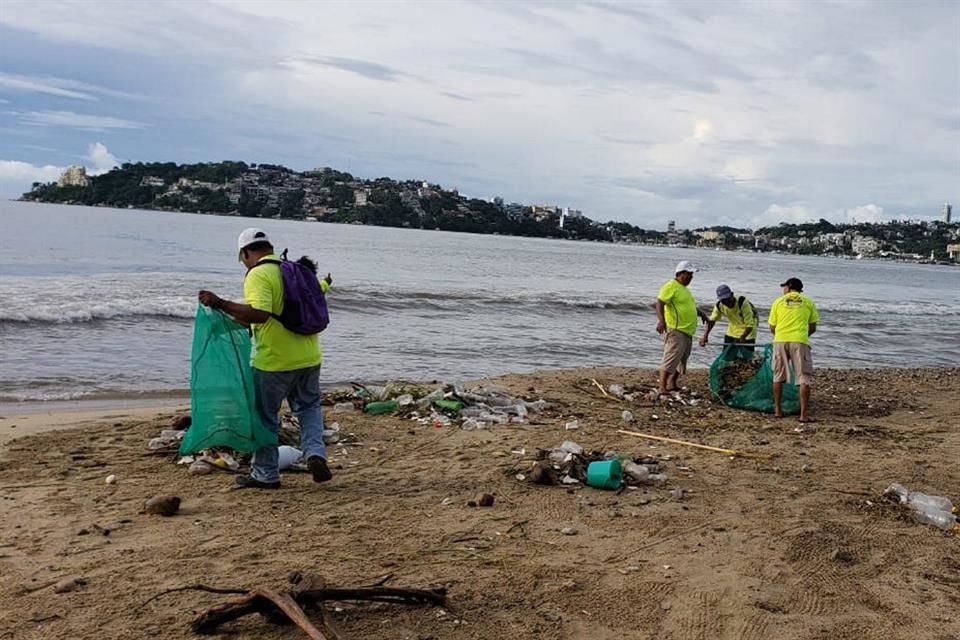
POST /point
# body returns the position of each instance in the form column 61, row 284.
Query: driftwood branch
column 288, row 606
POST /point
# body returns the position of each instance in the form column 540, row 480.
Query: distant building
column 498, row 202
column 953, row 250
column 865, row 245
column 543, row 211
column 151, row 181
column 360, row 196
column 572, row 213
column 947, row 212
column 74, row 177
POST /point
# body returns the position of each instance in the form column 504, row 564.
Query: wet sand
column 796, row 546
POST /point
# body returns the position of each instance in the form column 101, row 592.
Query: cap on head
column 250, row 236
column 724, row 292
column 685, row 265
column 794, row 284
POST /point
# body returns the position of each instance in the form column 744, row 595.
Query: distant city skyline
column 705, row 113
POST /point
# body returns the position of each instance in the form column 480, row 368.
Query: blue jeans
column 301, row 389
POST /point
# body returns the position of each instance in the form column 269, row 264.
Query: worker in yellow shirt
column 793, row 319
column 286, row 364
column 742, row 323
column 677, row 322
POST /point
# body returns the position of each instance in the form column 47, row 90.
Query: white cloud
column 75, row 120
column 713, row 110
column 792, row 214
column 865, row 213
column 25, row 173
column 100, row 159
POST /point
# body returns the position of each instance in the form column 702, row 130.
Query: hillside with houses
column 328, row 195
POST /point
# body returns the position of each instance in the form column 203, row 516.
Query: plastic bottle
column 405, row 399
column 378, row 408
column 636, row 471
column 922, row 501
column 937, row 517
column 343, row 406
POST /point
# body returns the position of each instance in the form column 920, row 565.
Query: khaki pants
column 795, row 353
column 676, row 351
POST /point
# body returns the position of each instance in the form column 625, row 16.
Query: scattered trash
column 111, row 479
column 616, row 390
column 678, row 494
column 626, row 416
column 201, row 467
column 162, row 505
column 381, row 407
column 807, row 468
column 69, row 584
column 168, row 439
column 569, row 531
column 605, row 474
column 573, row 425
column 486, row 500
column 287, row 456
column 343, row 407
column 938, row 511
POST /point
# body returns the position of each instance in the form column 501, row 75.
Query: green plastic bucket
column 605, row 474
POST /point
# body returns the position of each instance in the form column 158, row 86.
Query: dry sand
column 796, row 547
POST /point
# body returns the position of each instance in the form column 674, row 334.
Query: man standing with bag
column 793, row 319
column 286, row 365
column 742, row 322
column 677, row 322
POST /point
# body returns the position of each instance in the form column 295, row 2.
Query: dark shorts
column 743, row 350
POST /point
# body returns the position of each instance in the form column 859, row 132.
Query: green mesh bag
column 221, row 388
column 743, row 379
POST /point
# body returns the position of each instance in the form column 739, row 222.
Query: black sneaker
column 318, row 467
column 248, row 482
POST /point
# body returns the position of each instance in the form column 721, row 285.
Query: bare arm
column 243, row 313
column 661, row 322
column 706, row 332
column 813, row 328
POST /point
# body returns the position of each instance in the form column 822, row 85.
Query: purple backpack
column 304, row 305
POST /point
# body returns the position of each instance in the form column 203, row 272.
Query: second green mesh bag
column 744, row 380
column 221, row 388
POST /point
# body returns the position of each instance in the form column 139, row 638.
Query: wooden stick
column 600, row 386
column 729, row 452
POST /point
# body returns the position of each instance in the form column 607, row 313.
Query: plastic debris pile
column 568, row 464
column 475, row 408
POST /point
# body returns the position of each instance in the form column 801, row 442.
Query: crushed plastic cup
column 341, row 407
column 287, row 456
column 573, row 425
column 405, row 400
column 571, row 447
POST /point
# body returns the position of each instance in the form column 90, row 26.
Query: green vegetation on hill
column 265, row 190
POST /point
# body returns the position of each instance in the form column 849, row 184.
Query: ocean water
column 98, row 302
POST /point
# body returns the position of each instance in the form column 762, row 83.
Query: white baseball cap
column 685, row 265
column 249, row 236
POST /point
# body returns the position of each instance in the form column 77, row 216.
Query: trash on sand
column 616, row 390
column 569, row 464
column 486, row 500
column 605, row 474
column 287, row 456
column 573, row 425
column 343, row 407
column 111, row 479
column 927, row 509
column 569, row 531
column 69, row 584
column 168, row 439
column 381, row 407
column 626, row 416
column 162, row 505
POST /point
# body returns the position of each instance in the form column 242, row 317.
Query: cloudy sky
column 742, row 113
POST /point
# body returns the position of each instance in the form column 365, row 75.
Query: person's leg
column 304, row 399
column 669, row 362
column 269, row 390
column 780, row 374
column 686, row 346
column 803, row 363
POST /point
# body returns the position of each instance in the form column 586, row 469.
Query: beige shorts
column 676, row 350
column 797, row 354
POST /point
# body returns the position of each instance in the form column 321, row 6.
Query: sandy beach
column 795, row 546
